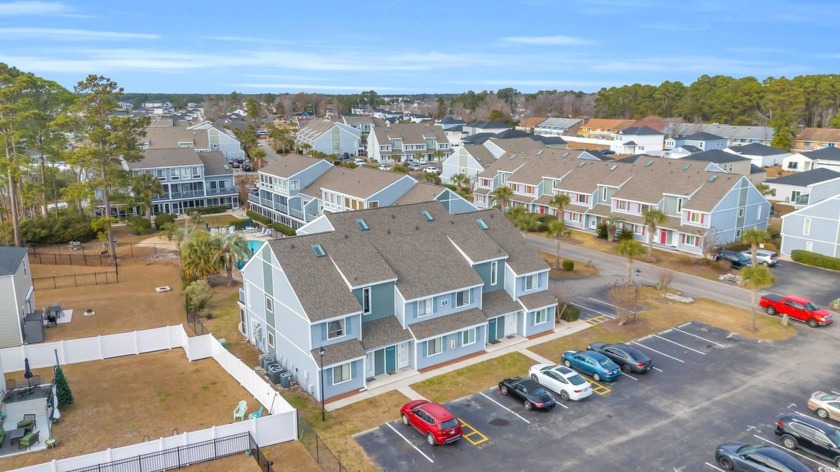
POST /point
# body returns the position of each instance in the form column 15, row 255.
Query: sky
column 411, row 46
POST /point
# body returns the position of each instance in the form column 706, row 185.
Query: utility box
column 286, row 379
column 274, row 370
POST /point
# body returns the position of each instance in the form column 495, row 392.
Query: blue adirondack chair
column 256, row 414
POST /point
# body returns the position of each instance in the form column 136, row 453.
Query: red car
column 437, row 423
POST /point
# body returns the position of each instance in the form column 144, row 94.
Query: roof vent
column 565, row 154
column 648, row 163
column 685, row 167
column 318, row 250
column 614, row 167
column 512, row 156
column 427, row 215
column 582, row 164
column 482, row 224
column 713, row 178
column 539, row 153
column 362, row 224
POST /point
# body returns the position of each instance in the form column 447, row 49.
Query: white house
column 827, row 158
column 558, row 126
column 478, row 127
column 760, row 154
column 638, row 140
column 814, row 228
column 805, row 187
column 16, row 294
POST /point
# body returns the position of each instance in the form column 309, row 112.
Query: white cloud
column 557, row 40
column 33, row 9
column 313, row 87
column 60, row 34
column 531, row 83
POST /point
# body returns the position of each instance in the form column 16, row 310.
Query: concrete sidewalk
column 403, row 382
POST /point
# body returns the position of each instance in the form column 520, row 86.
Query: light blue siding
column 742, row 208
column 352, row 329
column 531, row 328
column 484, row 270
column 389, row 195
column 443, row 305
column 308, row 175
column 448, row 353
column 357, row 380
column 542, row 284
column 382, row 301
column 824, row 229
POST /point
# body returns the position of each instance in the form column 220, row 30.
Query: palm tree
column 631, row 249
column 431, row 178
column 559, row 202
column 756, row 278
column 653, row 218
column 438, row 154
column 198, row 256
column 557, row 229
column 461, row 181
column 521, row 218
column 754, row 237
column 501, row 197
column 145, row 187
column 228, row 248
column 612, row 224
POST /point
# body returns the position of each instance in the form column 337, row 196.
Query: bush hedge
column 571, row 313
column 266, row 221
column 163, row 219
column 816, row 260
column 568, row 265
column 67, row 226
column 210, row 209
column 603, row 231
column 138, row 225
column 240, row 224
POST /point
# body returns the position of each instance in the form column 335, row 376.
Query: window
column 738, row 233
column 581, row 198
column 741, row 212
column 758, row 213
column 271, row 339
column 494, row 277
column 541, row 316
column 173, row 174
column 269, row 304
column 622, row 205
column 425, row 307
column 160, row 174
column 690, row 240
column 679, row 205
column 366, row 300
column 434, row 347
column 603, row 194
column 806, row 227
column 531, row 282
column 695, row 217
column 341, row 373
column 335, row 329
column 468, row 337
column 462, row 298
column 196, row 172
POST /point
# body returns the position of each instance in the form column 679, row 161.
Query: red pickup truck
column 798, row 308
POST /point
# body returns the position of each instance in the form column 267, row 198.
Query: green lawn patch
column 474, row 378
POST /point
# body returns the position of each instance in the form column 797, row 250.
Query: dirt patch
column 285, row 456
column 581, row 270
column 121, row 401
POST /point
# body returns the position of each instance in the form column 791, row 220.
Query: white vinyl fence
column 278, row 424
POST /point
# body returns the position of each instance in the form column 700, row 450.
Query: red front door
column 663, row 235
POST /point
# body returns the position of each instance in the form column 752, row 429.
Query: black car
column 737, row 259
column 531, row 393
column 247, row 167
column 628, row 357
column 746, row 457
column 811, row 434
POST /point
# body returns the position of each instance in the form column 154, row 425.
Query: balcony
column 222, row 191
column 189, row 194
column 801, row 199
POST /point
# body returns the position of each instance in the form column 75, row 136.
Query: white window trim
column 494, row 269
column 537, row 313
column 349, row 375
column 436, row 353
column 428, row 304
column 269, row 304
column 806, row 227
column 271, row 339
column 464, row 334
column 467, row 298
column 535, row 278
column 343, row 330
column 366, row 293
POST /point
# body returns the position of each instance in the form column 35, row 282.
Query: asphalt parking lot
column 708, row 388
column 817, row 284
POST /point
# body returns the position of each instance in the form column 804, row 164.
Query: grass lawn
column 581, row 270
column 224, row 323
column 661, row 314
column 471, row 379
column 119, row 401
column 338, row 430
column 285, row 456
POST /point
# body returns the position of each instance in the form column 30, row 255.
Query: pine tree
column 65, row 396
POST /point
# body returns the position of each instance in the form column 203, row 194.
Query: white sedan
column 431, row 170
column 563, row 380
column 384, row 167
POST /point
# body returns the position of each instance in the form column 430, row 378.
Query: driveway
column 821, row 286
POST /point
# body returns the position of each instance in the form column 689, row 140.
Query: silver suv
column 763, row 256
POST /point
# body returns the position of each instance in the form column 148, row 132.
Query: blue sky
column 407, row 46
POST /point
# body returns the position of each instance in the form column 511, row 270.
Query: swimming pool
column 253, row 246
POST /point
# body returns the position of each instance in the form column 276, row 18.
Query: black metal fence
column 75, row 280
column 317, row 448
column 69, row 259
column 179, row 457
column 96, row 253
column 262, row 461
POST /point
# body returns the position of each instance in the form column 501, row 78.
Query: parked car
column 796, row 307
column 747, row 457
column 412, row 165
column 763, row 256
column 530, row 393
column 737, row 259
column 561, row 379
column 384, row 167
column 825, row 405
column 810, row 434
column 433, row 420
column 607, row 152
column 599, row 366
column 628, row 357
column 431, row 170
column 359, row 161
column 247, row 167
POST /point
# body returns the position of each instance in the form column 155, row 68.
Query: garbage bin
column 274, row 370
column 285, row 379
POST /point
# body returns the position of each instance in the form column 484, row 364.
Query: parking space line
column 788, row 450
column 678, row 344
column 626, row 375
column 506, row 408
column 597, row 388
column 601, row 301
column 409, row 443
column 474, row 432
column 560, row 404
column 699, row 337
column 684, row 325
column 658, row 369
column 597, row 320
column 654, row 350
column 713, row 466
column 579, row 305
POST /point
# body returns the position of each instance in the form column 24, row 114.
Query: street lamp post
column 636, row 302
column 323, row 411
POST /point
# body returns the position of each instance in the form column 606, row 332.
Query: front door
column 510, row 323
column 390, row 359
column 491, row 330
column 500, row 328
column 379, row 362
column 402, row 356
column 663, row 236
column 369, row 365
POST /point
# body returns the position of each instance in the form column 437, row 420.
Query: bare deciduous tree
column 623, row 297
column 666, row 276
column 564, row 294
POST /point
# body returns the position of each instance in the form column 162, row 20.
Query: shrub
column 239, row 224
column 68, row 226
column 816, row 260
column 139, row 225
column 603, row 231
column 722, row 264
column 571, row 313
column 568, row 265
column 163, row 219
column 279, row 227
column 623, row 235
column 210, row 209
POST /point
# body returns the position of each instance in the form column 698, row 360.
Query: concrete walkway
column 516, row 345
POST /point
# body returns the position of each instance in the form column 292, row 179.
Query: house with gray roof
column 201, row 137
column 734, row 135
column 759, row 154
column 637, row 139
column 489, row 127
column 331, row 137
column 806, row 187
column 702, row 140
column 826, row 158
column 423, row 142
column 392, row 288
column 813, row 228
column 16, row 295
column 558, row 127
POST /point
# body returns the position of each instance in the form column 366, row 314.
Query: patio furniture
column 256, row 414
column 51, row 443
column 16, row 434
column 240, row 410
column 28, row 422
column 30, row 439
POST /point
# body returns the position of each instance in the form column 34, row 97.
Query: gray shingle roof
column 757, row 149
column 289, row 165
column 701, row 136
column 718, row 156
column 383, row 332
column 361, row 182
column 215, row 163
column 803, row 179
column 829, row 153
column 10, row 259
column 639, row 131
column 174, row 157
column 538, row 300
column 498, row 303
column 447, row 324
column 339, row 352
